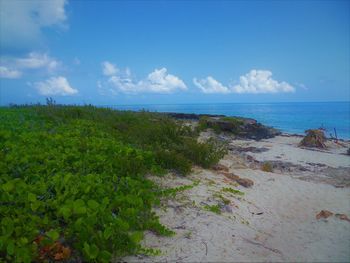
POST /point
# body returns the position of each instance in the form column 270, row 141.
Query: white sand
column 287, row 230
column 285, row 148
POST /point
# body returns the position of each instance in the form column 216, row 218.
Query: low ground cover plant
column 73, row 179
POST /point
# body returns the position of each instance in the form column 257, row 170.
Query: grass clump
column 267, row 167
column 73, row 184
column 222, row 198
column 232, row 191
column 213, row 208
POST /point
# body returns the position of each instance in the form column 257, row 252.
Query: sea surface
column 288, row 117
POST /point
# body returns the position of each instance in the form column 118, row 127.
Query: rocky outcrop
column 241, row 127
column 190, row 116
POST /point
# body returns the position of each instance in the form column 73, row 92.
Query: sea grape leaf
column 93, row 204
column 53, row 234
column 11, row 247
column 79, row 206
column 105, row 256
column 91, row 251
column 65, row 211
column 136, row 236
column 107, row 232
column 8, row 187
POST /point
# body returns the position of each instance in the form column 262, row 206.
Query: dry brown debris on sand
column 241, row 181
column 314, row 138
column 324, row 214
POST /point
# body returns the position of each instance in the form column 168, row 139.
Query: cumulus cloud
column 210, row 85
column 9, row 73
column 109, row 69
column 158, row 81
column 255, row 82
column 261, row 81
column 55, row 86
column 36, row 60
column 33, row 61
column 22, row 21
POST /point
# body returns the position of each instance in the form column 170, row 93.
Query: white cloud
column 9, row 74
column 158, row 81
column 55, row 86
column 109, row 69
column 22, row 21
column 210, row 85
column 36, row 60
column 14, row 67
column 255, row 82
column 261, row 81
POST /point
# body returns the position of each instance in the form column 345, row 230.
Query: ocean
column 287, row 117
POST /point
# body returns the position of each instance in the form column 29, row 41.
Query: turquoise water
column 288, row 117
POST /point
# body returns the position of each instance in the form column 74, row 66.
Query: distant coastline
column 288, row 117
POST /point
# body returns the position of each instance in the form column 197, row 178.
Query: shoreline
column 275, row 219
column 196, row 117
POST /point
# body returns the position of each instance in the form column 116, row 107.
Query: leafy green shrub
column 73, row 179
column 204, row 154
column 74, row 183
column 170, row 159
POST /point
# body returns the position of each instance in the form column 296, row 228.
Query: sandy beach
column 273, row 220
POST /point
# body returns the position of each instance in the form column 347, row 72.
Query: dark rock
column 249, row 149
column 230, row 175
column 245, row 182
column 242, row 127
column 220, row 167
column 190, row 116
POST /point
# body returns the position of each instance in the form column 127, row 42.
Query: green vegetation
column 219, row 125
column 173, row 191
column 222, row 198
column 233, row 120
column 232, row 191
column 213, row 208
column 73, row 183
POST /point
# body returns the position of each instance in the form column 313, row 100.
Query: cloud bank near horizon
column 254, row 82
column 121, row 81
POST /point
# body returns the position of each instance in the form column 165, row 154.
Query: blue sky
column 155, row 52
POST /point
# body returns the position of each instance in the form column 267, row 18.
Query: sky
column 174, row 52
